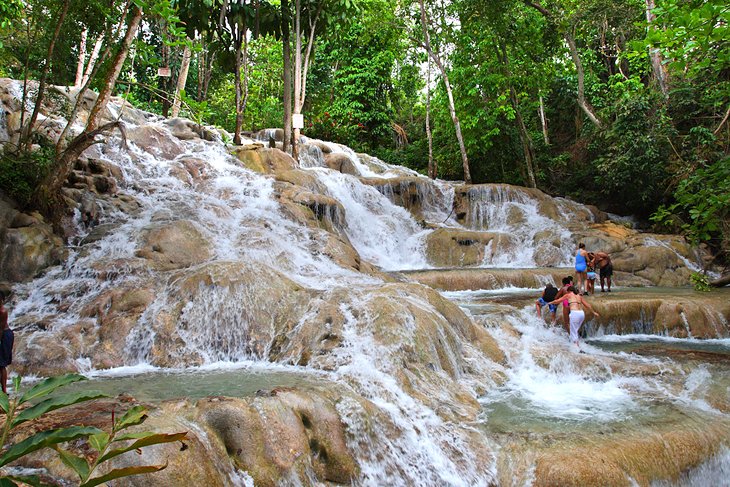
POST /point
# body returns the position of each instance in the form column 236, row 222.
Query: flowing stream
column 622, row 385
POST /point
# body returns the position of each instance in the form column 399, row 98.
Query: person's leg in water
column 538, row 308
column 576, row 320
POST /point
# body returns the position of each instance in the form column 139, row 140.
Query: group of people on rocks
column 586, row 264
column 570, row 297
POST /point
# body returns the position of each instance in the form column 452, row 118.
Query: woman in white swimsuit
column 577, row 315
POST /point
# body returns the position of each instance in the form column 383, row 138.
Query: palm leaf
column 4, row 402
column 99, row 441
column 135, row 415
column 123, row 472
column 49, row 385
column 54, row 403
column 151, row 439
column 33, row 480
column 78, row 464
column 45, row 439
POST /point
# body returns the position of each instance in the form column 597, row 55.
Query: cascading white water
column 516, row 215
column 427, row 450
column 382, row 232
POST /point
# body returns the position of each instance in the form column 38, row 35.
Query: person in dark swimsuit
column 547, row 295
column 6, row 345
column 605, row 268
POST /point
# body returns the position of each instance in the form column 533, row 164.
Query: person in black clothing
column 6, row 345
column 548, row 295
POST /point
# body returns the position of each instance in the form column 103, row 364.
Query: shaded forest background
column 619, row 103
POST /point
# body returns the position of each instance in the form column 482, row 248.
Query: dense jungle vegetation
column 620, row 103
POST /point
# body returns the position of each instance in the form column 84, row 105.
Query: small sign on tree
column 164, row 72
column 297, row 121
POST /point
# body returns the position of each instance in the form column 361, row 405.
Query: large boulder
column 341, row 162
column 174, row 245
column 265, row 161
column 27, row 243
column 320, row 210
column 450, row 247
column 222, row 311
column 185, row 129
column 156, row 141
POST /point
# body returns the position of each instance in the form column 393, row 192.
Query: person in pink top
column 577, row 313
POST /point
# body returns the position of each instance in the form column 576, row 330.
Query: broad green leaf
column 151, row 439
column 6, row 482
column 33, row 480
column 134, row 416
column 54, row 403
column 78, row 464
column 4, row 402
column 49, row 385
column 45, row 439
column 123, row 472
column 99, row 441
column 132, row 436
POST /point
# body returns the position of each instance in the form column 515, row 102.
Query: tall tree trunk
column 301, row 65
column 581, row 98
column 208, row 75
column 286, row 51
column 449, row 93
column 44, row 76
column 93, row 59
column 525, row 139
column 432, row 171
column 661, row 75
column 82, row 58
column 48, row 191
column 239, row 97
column 582, row 102
column 543, row 122
column 91, row 70
column 297, row 75
column 116, row 68
column 246, row 73
column 182, row 78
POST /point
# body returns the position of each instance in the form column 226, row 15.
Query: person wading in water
column 577, row 314
column 581, row 266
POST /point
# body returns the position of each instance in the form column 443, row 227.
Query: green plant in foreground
column 700, row 281
column 107, row 445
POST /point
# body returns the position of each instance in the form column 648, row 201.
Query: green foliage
column 21, row 172
column 197, row 111
column 631, row 156
column 700, row 281
column 702, row 205
column 42, row 400
column 10, row 11
column 693, row 34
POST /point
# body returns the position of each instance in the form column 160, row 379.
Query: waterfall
column 517, row 215
column 382, row 232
